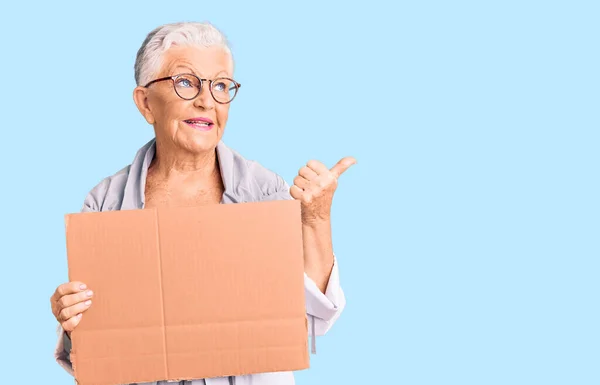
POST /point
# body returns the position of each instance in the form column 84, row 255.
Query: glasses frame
column 201, row 81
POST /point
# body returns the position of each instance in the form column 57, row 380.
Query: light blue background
column 467, row 233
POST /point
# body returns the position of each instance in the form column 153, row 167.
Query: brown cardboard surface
column 187, row 293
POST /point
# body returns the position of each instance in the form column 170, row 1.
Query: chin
column 197, row 140
column 204, row 141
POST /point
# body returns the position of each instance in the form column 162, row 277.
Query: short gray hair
column 149, row 56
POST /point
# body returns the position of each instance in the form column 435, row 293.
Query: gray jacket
column 244, row 181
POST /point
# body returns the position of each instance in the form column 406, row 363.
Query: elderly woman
column 184, row 76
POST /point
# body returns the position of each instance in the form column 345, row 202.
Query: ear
column 140, row 97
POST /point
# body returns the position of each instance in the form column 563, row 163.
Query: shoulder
column 108, row 192
column 256, row 180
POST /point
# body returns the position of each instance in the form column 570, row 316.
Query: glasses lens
column 187, row 86
column 224, row 90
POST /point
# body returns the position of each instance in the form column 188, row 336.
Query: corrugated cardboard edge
column 73, row 352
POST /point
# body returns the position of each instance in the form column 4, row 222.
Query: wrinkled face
column 194, row 125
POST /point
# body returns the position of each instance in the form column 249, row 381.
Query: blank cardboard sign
column 188, row 293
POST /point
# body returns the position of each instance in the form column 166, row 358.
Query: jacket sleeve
column 62, row 352
column 323, row 309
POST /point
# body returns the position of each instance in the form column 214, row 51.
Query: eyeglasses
column 189, row 86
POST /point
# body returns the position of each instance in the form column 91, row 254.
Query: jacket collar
column 133, row 194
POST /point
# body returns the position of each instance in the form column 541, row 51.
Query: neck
column 170, row 163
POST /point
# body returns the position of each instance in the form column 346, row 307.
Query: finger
column 301, row 182
column 307, row 173
column 70, row 324
column 72, row 311
column 68, row 288
column 317, row 167
column 342, row 166
column 72, row 299
column 296, row 192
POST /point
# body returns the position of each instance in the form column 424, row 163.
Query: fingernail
column 89, row 293
column 88, row 303
column 82, row 287
column 79, row 315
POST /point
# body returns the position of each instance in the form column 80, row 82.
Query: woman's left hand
column 314, row 187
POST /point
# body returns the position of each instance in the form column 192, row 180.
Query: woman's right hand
column 69, row 301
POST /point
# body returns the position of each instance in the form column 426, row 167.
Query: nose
column 204, row 100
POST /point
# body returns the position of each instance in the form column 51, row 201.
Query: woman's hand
column 69, row 301
column 314, row 187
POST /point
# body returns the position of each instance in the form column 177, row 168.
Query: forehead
column 202, row 61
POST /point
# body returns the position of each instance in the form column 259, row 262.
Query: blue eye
column 184, row 83
column 220, row 87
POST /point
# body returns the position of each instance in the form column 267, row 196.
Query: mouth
column 203, row 124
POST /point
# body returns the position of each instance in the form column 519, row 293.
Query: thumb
column 342, row 166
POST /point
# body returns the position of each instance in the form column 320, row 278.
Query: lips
column 203, row 124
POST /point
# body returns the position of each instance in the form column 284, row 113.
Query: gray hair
column 149, row 56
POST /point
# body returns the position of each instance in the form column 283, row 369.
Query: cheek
column 222, row 114
column 167, row 110
column 173, row 108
